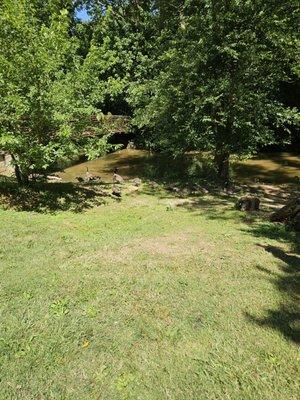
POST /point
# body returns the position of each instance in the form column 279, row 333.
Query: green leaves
column 44, row 87
column 214, row 83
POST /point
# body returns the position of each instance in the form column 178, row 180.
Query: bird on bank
column 116, row 192
column 116, row 177
column 88, row 177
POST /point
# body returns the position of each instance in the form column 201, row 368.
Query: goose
column 116, row 177
column 116, row 192
column 88, row 176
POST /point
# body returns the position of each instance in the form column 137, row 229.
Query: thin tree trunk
column 18, row 175
column 222, row 163
column 22, row 179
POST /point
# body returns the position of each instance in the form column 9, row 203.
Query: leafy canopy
column 43, row 84
column 217, row 75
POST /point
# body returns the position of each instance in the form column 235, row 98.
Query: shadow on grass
column 276, row 231
column 286, row 317
column 48, row 197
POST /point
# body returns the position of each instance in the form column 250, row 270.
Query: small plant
column 60, row 307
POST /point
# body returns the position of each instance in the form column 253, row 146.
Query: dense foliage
column 217, row 80
column 194, row 74
column 44, row 106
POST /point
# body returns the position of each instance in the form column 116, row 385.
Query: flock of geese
column 116, row 178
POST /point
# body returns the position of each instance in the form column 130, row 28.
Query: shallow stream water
column 280, row 167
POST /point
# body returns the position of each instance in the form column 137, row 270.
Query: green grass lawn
column 139, row 300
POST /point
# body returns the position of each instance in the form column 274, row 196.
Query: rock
column 136, row 182
column 79, row 179
column 153, row 185
column 53, row 178
column 248, row 203
column 131, row 145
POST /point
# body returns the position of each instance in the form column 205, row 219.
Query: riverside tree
column 43, row 86
column 217, row 77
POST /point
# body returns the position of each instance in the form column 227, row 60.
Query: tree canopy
column 217, row 80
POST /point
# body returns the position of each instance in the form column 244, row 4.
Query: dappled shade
column 48, row 197
column 286, row 317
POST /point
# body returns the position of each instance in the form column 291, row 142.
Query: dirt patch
column 174, row 245
column 183, row 244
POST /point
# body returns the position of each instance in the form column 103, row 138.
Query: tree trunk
column 22, row 179
column 18, row 175
column 222, row 163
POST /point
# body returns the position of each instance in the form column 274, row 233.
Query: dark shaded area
column 289, row 94
column 48, row 197
column 277, row 231
column 286, row 317
column 183, row 171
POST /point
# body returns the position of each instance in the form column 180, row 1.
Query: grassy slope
column 132, row 301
